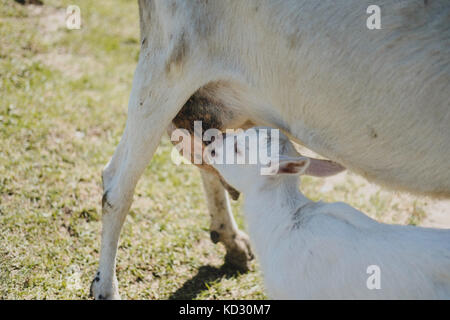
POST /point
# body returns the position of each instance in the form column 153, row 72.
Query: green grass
column 63, row 103
column 63, row 106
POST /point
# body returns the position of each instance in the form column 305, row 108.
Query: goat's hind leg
column 214, row 115
column 223, row 227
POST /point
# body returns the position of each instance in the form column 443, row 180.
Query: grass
column 63, row 106
column 63, row 103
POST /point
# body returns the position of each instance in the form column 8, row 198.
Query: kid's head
column 260, row 156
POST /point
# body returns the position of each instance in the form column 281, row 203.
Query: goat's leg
column 213, row 115
column 119, row 180
column 154, row 101
column 223, row 227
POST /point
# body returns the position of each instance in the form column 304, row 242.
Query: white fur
column 375, row 101
column 316, row 250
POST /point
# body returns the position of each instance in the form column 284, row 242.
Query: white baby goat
column 317, row 250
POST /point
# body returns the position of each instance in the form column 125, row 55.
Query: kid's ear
column 290, row 165
column 323, row 168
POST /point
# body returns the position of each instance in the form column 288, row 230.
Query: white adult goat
column 316, row 250
column 375, row 101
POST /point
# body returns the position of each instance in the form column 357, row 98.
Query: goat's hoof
column 239, row 253
column 100, row 290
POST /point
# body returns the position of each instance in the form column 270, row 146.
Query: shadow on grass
column 205, row 275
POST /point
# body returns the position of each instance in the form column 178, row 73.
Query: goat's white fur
column 316, row 250
column 375, row 101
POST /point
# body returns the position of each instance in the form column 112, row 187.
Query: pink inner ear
column 323, row 168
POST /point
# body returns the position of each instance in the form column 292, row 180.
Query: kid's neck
column 281, row 195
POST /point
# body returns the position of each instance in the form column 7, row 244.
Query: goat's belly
column 408, row 161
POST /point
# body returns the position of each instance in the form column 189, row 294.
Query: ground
column 63, row 103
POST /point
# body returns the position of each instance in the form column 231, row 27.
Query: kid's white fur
column 317, row 250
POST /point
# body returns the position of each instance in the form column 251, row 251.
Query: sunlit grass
column 63, row 107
